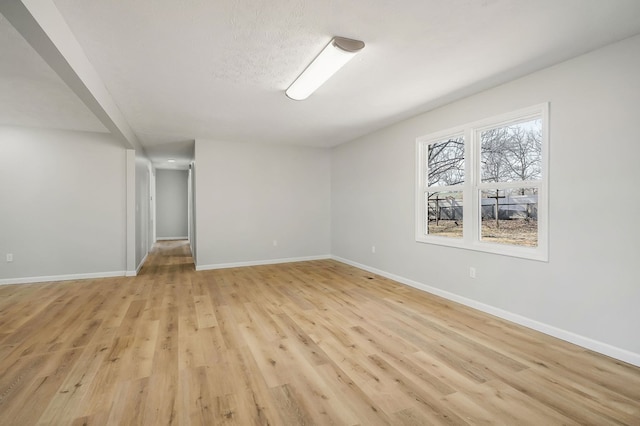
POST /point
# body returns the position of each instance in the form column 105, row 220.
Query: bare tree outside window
column 510, row 216
column 445, row 168
column 444, row 213
column 446, row 162
column 511, row 153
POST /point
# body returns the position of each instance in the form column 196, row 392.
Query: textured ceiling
column 198, row 69
column 32, row 94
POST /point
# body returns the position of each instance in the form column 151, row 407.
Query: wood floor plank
column 292, row 408
column 45, row 386
column 65, row 404
column 204, row 311
column 305, row 343
column 15, row 385
column 480, row 403
column 364, row 373
column 309, row 348
column 256, row 389
column 367, row 411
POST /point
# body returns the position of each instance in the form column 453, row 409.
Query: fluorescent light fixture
column 171, row 160
column 333, row 57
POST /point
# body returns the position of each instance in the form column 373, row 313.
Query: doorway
column 172, row 200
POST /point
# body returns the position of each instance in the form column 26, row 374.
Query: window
column 483, row 186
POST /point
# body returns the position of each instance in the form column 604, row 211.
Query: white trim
column 171, row 238
column 261, row 262
column 130, row 209
column 70, row 277
column 568, row 336
column 144, row 259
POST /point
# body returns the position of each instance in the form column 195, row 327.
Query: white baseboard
column 585, row 342
column 171, row 238
column 260, row 262
column 135, row 273
column 70, row 277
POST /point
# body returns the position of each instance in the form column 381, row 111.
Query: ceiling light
column 333, row 57
column 171, row 160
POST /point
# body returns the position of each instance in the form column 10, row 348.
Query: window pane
column 512, row 153
column 510, row 216
column 446, row 162
column 444, row 214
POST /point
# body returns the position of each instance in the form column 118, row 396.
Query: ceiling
column 197, row 69
column 32, row 94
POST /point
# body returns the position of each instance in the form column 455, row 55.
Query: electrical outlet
column 9, row 257
column 373, row 249
column 472, row 272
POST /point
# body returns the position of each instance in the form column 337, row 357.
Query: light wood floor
column 304, row 343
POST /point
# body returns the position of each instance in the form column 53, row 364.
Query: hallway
column 170, row 256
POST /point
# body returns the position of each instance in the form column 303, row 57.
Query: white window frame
column 473, row 185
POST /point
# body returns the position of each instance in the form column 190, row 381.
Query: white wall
column 589, row 286
column 62, row 204
column 171, row 204
column 249, row 195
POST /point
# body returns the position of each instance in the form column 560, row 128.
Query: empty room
column 310, row 213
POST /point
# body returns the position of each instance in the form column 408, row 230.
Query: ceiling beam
column 44, row 28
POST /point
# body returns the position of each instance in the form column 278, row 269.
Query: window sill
column 528, row 253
